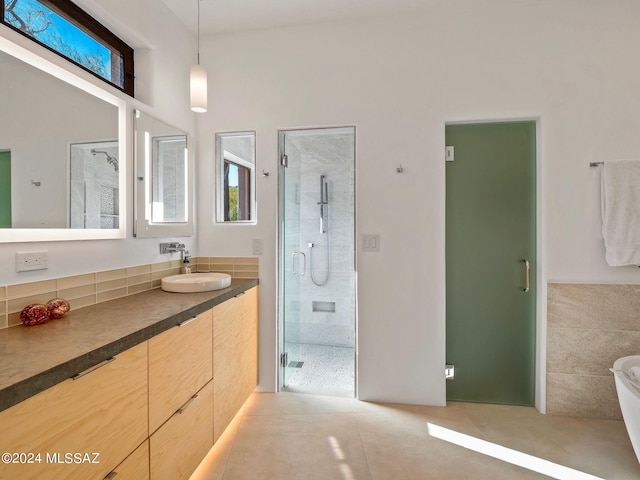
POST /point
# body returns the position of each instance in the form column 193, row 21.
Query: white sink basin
column 196, row 282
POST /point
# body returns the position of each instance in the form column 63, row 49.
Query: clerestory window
column 63, row 27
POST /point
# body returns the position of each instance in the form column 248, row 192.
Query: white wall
column 399, row 80
column 164, row 51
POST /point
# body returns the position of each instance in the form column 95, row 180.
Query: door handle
column 293, row 263
column 527, row 271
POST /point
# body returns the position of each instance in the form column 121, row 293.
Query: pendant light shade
column 198, row 88
column 198, row 82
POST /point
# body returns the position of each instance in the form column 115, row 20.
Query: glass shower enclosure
column 317, row 301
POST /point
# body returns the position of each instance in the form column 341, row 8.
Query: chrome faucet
column 172, row 247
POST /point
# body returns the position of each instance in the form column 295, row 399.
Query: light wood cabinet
column 235, row 356
column 150, row 413
column 178, row 446
column 181, row 398
column 71, row 418
column 134, row 467
column 179, row 365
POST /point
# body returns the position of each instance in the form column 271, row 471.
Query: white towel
column 634, row 374
column 621, row 211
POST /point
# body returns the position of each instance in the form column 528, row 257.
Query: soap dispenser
column 186, row 267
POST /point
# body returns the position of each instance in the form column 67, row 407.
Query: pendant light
column 198, row 80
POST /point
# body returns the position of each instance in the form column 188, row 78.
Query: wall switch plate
column 26, row 261
column 449, row 155
column 371, row 243
column 258, row 246
column 449, row 372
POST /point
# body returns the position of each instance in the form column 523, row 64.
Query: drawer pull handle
column 183, row 408
column 239, row 295
column 187, row 322
column 111, row 476
column 91, row 369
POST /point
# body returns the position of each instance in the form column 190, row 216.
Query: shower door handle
column 293, row 263
column 527, row 272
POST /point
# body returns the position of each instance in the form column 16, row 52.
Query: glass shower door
column 317, row 261
column 293, row 261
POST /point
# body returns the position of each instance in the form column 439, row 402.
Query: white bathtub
column 629, row 398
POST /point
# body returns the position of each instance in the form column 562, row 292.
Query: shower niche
column 317, row 267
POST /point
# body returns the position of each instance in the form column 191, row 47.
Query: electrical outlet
column 26, row 261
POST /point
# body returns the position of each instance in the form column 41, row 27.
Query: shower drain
column 295, row 364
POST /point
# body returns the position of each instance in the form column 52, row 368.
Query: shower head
column 110, row 158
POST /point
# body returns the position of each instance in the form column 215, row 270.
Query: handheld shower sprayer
column 324, row 210
column 324, row 200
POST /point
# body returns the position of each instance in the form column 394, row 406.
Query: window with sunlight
column 237, row 192
column 63, row 27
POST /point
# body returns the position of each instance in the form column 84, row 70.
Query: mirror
column 62, row 173
column 163, row 179
column 236, row 177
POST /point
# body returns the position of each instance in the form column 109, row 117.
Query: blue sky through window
column 48, row 27
column 233, row 175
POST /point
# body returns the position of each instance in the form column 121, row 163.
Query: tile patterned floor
column 326, row 370
column 285, row 436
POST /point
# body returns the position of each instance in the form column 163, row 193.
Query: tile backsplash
column 91, row 288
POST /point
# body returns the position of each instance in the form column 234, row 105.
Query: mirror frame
column 142, row 226
column 219, row 176
column 9, row 235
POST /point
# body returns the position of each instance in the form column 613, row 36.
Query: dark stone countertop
column 33, row 359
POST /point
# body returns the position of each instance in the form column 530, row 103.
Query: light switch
column 371, row 243
column 258, row 246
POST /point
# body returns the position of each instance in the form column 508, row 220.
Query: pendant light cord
column 199, row 31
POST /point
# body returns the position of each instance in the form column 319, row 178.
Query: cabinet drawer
column 235, row 356
column 179, row 365
column 134, row 467
column 71, row 419
column 178, row 447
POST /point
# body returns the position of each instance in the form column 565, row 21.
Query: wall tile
column 158, row 267
column 80, row 302
column 13, row 319
column 76, row 281
column 139, row 270
column 111, row 285
column 17, row 304
column 141, row 287
column 139, row 279
column 591, row 396
column 589, row 326
column 613, row 307
column 89, row 289
column 588, row 352
column 106, row 296
column 31, row 289
column 111, row 275
column 77, row 292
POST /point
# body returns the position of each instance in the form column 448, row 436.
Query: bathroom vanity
column 138, row 387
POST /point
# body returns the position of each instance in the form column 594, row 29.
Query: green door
column 490, row 255
column 5, row 189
